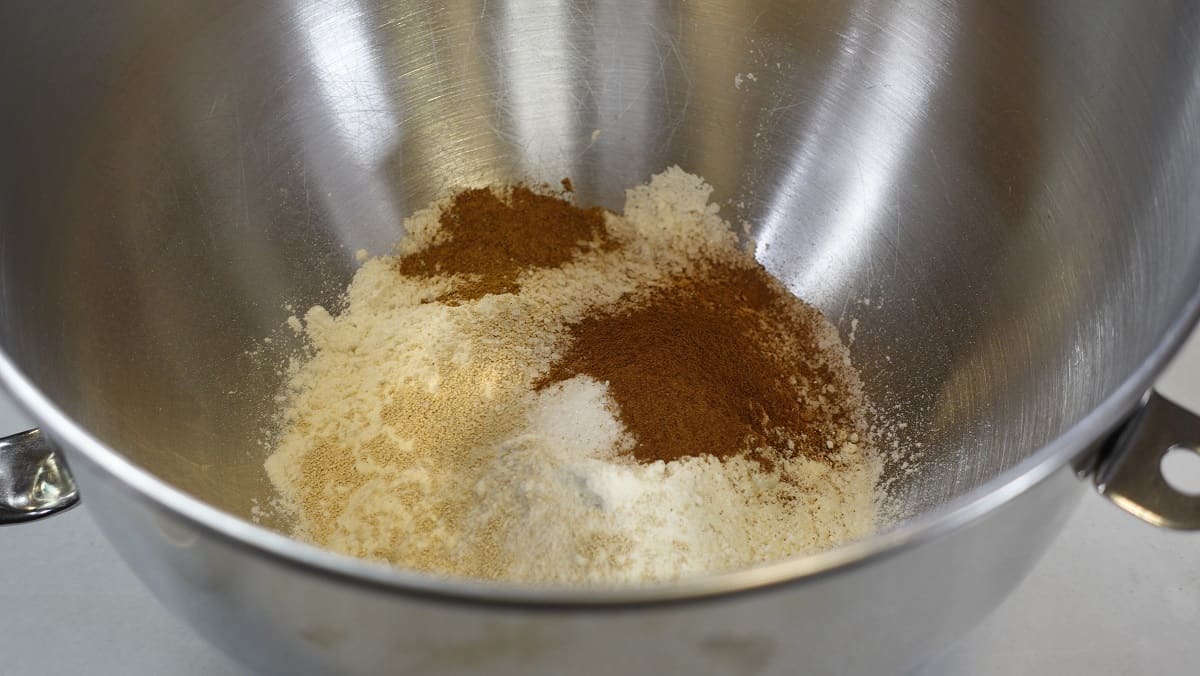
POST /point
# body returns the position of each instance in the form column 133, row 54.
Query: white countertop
column 1113, row 596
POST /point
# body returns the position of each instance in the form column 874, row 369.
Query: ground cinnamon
column 720, row 364
column 490, row 237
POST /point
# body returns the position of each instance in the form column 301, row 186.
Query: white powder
column 413, row 434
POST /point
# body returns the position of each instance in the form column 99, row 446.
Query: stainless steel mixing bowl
column 1002, row 194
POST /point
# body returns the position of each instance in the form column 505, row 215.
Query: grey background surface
column 1113, row 596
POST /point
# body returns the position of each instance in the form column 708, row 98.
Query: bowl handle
column 1130, row 469
column 34, row 479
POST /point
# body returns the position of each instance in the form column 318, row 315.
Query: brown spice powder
column 721, row 364
column 492, row 237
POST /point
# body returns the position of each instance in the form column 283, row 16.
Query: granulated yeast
column 616, row 398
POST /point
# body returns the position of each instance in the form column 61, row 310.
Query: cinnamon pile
column 491, row 237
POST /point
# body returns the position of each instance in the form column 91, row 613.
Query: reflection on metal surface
column 351, row 85
column 867, row 121
column 355, row 120
column 34, row 479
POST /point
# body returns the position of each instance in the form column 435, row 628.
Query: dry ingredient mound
column 532, row 392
